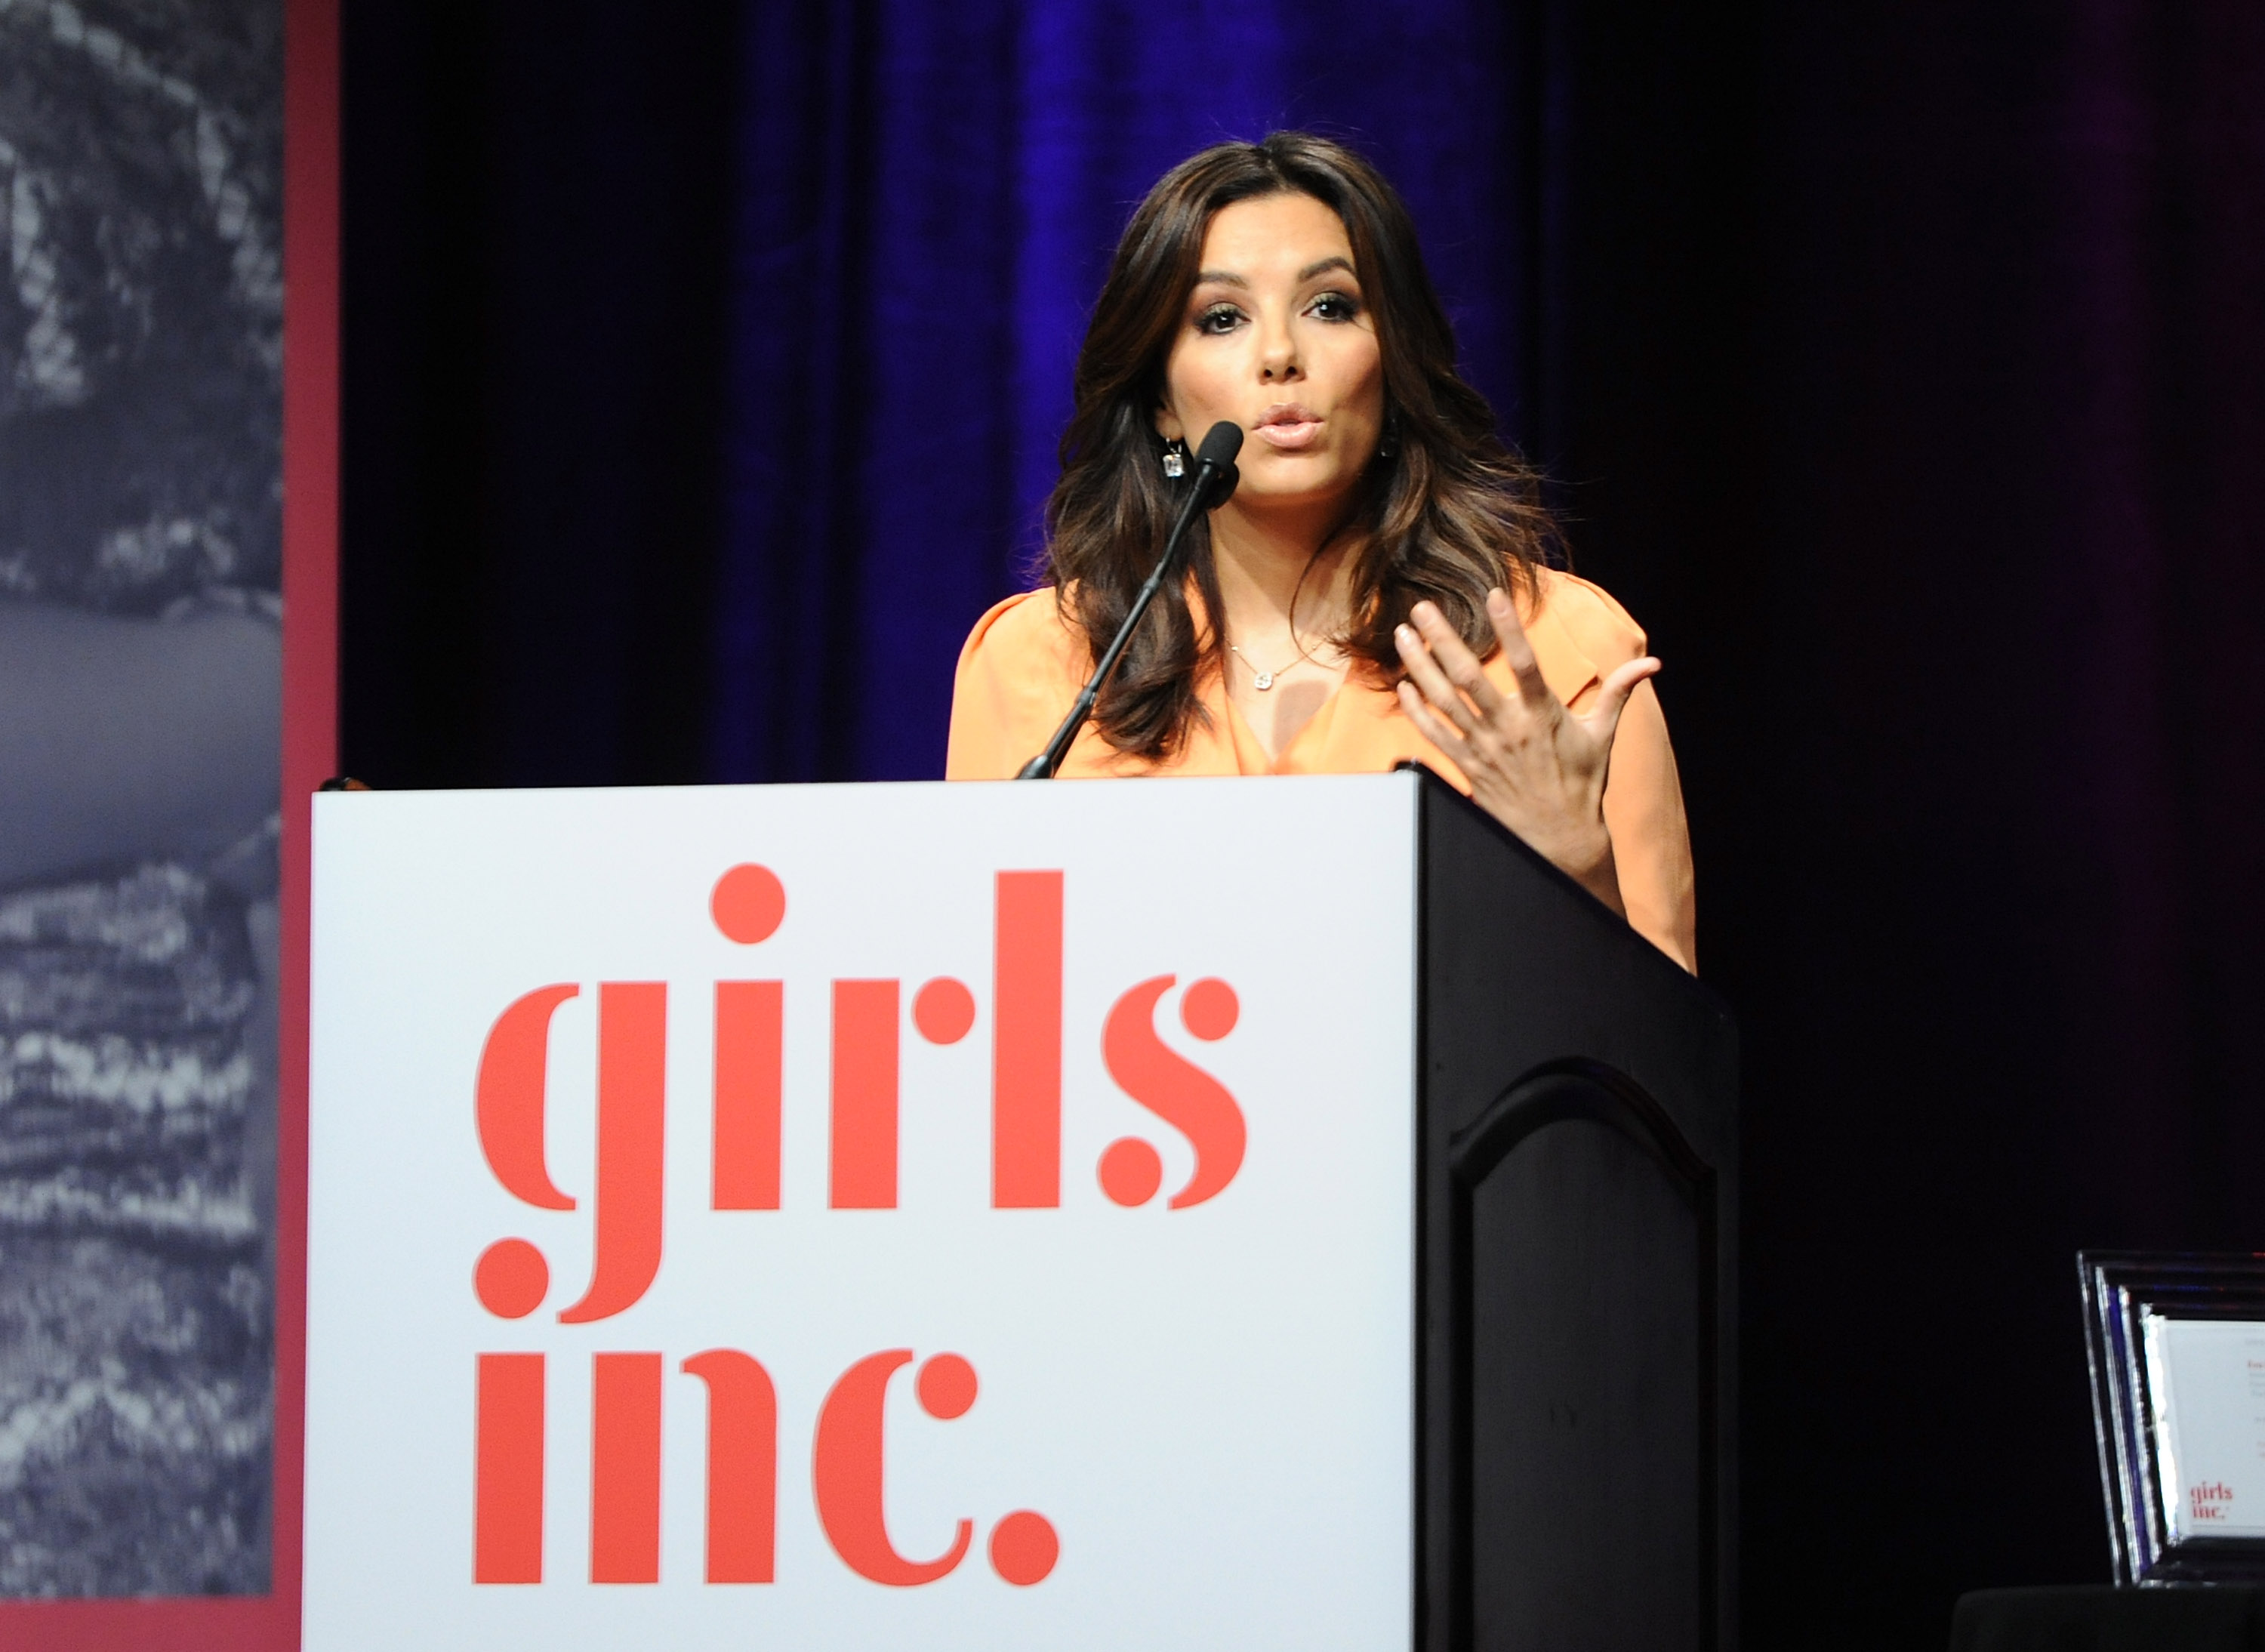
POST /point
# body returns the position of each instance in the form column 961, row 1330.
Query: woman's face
column 1277, row 337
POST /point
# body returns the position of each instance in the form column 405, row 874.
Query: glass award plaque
column 2176, row 1343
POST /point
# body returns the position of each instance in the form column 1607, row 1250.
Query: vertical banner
column 168, row 173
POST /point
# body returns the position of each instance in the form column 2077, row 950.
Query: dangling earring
column 1388, row 446
column 1175, row 458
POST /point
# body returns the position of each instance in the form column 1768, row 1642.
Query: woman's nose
column 1278, row 357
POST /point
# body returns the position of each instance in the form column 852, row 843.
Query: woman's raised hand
column 1532, row 764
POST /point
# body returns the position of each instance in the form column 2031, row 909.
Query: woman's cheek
column 1198, row 379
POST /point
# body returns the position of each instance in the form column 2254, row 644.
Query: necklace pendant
column 1263, row 681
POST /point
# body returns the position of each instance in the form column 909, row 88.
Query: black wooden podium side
column 1576, row 1266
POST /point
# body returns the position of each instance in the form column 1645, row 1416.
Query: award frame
column 2126, row 1293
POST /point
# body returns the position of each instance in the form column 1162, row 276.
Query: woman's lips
column 1287, row 429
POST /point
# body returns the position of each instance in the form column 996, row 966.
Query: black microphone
column 1214, row 485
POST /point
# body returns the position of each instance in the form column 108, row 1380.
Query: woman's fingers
column 1423, row 671
column 1530, row 764
column 1462, row 667
column 1517, row 651
column 1612, row 697
column 1447, row 684
column 1432, row 727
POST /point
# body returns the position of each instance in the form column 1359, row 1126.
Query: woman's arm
column 1651, row 840
column 126, row 737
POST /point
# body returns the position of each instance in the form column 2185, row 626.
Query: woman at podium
column 1378, row 586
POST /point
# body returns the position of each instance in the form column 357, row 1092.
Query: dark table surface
column 2193, row 1619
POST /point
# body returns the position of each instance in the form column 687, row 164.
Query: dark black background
column 1906, row 374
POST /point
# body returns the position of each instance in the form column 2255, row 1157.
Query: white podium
column 1001, row 1216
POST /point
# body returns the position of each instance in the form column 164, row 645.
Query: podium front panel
column 881, row 1216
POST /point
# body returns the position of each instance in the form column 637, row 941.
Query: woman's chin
column 1291, row 482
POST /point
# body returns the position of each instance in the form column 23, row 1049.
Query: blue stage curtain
column 926, row 199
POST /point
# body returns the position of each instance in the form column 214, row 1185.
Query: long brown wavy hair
column 1445, row 510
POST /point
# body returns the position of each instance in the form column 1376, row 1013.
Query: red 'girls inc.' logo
column 2212, row 1500
column 849, row 1466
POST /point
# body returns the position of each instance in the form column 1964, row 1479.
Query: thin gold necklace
column 1262, row 679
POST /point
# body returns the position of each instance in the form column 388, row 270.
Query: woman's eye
column 1336, row 306
column 1219, row 319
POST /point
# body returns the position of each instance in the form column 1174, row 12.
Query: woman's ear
column 1168, row 424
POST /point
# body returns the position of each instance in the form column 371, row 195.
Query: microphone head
column 1220, row 443
column 1215, row 463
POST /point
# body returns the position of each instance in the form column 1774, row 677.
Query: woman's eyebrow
column 1228, row 277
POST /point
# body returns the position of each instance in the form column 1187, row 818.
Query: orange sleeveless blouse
column 1024, row 662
